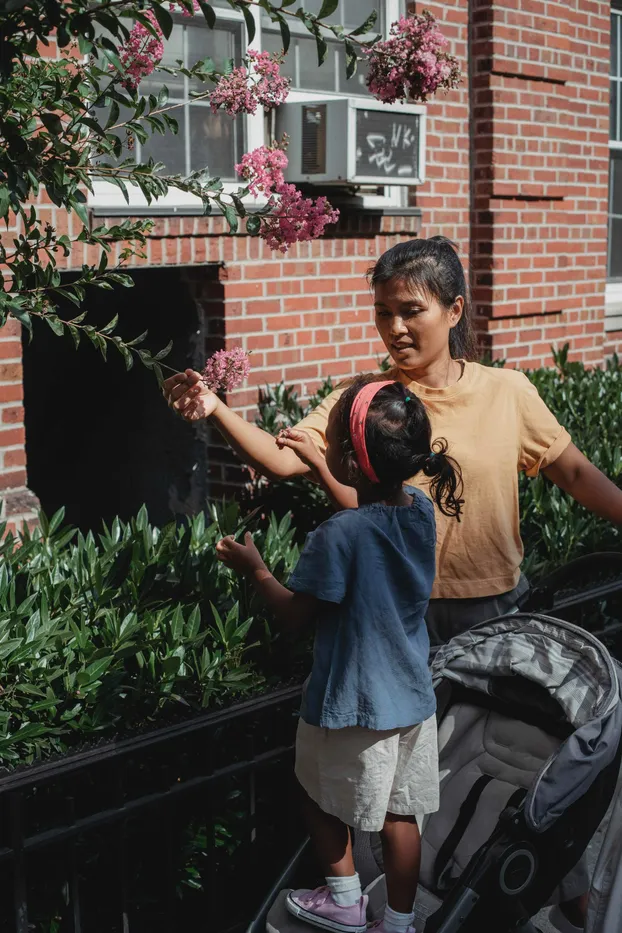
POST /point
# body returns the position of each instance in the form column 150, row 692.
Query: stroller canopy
column 553, row 665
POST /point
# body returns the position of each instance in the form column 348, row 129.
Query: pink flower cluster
column 296, row 218
column 141, row 53
column 263, row 167
column 174, row 8
column 413, row 63
column 256, row 83
column 225, row 370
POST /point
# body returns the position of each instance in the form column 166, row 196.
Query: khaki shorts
column 360, row 775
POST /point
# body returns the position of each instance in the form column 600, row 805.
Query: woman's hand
column 189, row 396
column 243, row 558
column 302, row 445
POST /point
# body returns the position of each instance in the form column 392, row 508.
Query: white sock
column 346, row 891
column 395, row 922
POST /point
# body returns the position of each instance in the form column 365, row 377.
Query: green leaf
column 351, row 59
column 322, row 47
column 120, row 278
column 231, row 216
column 367, row 26
column 328, row 8
column 285, row 34
column 253, row 224
column 52, row 123
column 250, row 22
column 80, row 208
column 165, row 352
column 94, row 671
column 4, row 201
column 55, row 324
column 208, row 13
column 108, row 329
column 164, row 18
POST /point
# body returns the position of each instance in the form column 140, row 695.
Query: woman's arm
column 186, row 394
column 293, row 610
column 574, row 473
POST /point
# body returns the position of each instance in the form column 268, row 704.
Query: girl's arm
column 574, row 473
column 292, row 610
column 186, row 394
column 342, row 497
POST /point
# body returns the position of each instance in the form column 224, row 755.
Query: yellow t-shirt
column 496, row 426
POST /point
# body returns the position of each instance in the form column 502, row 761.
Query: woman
column 496, row 425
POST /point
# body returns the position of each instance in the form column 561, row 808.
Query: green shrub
column 588, row 402
column 108, row 635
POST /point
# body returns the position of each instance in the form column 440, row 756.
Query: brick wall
column 18, row 503
column 540, row 175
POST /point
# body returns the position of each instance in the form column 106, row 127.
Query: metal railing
column 147, row 833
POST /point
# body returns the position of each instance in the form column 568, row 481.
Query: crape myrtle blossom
column 293, row 218
column 141, row 53
column 263, row 168
column 225, row 370
column 256, row 83
column 413, row 62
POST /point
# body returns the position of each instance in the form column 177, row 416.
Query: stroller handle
column 542, row 595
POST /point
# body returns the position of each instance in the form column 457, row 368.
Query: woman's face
column 413, row 326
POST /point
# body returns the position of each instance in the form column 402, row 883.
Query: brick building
column 523, row 171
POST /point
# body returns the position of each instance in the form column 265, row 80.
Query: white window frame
column 613, row 289
column 108, row 196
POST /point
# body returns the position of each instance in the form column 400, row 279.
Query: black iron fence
column 183, row 828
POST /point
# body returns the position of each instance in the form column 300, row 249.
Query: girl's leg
column 341, row 904
column 401, row 850
column 331, row 839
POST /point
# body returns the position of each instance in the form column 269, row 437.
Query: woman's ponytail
column 446, row 485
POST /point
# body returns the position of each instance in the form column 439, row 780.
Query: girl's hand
column 302, row 445
column 243, row 558
column 189, row 396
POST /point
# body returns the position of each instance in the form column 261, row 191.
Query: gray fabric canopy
column 575, row 669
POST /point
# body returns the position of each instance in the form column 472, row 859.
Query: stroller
column 530, row 730
column 530, row 748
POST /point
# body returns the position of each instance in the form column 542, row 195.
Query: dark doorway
column 100, row 440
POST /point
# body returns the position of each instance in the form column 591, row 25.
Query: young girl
column 366, row 752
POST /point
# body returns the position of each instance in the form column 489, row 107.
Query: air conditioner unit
column 353, row 141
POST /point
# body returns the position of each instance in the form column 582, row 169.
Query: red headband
column 358, row 418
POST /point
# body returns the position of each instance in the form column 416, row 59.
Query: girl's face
column 414, row 327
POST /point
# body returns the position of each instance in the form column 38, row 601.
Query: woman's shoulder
column 498, row 377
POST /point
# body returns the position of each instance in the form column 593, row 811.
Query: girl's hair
column 433, row 267
column 399, row 443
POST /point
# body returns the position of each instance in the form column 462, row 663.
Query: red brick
column 14, row 415
column 13, row 458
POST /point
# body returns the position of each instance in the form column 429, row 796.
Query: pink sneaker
column 318, row 908
column 378, row 927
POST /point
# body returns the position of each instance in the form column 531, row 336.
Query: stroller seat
column 488, row 761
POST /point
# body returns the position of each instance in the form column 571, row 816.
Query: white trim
column 613, row 306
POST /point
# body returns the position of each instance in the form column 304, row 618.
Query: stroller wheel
column 517, row 870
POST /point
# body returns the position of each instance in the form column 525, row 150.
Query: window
column 301, row 61
column 217, row 141
column 614, row 256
